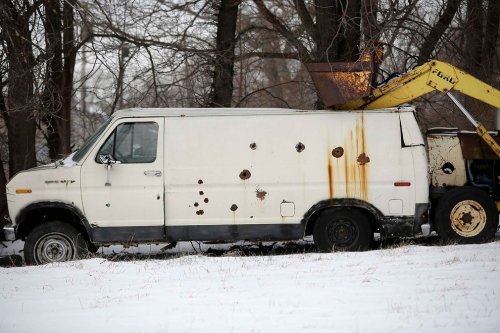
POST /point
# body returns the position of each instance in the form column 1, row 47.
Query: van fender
column 48, row 210
column 374, row 215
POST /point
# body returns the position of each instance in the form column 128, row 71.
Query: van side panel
column 256, row 170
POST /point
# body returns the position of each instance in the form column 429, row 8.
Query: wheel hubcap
column 54, row 247
column 468, row 218
column 342, row 233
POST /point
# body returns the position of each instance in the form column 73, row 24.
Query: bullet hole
column 233, row 207
column 363, row 159
column 253, row 146
column 338, row 152
column 261, row 194
column 300, row 147
column 448, row 168
column 245, row 174
column 200, row 212
column 206, row 200
column 251, row 217
column 200, row 181
column 201, row 192
column 196, row 204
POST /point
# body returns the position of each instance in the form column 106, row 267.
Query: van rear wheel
column 466, row 215
column 342, row 229
column 54, row 241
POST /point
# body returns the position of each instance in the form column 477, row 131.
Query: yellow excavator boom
column 431, row 76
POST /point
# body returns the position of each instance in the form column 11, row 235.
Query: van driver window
column 132, row 143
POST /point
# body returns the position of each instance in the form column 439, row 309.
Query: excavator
column 463, row 165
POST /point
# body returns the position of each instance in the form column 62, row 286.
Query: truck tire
column 342, row 229
column 54, row 241
column 466, row 215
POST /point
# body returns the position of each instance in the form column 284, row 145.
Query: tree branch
column 303, row 53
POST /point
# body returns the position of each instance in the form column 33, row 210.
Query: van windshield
column 90, row 142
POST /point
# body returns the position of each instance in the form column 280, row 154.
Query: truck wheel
column 342, row 229
column 54, row 242
column 466, row 215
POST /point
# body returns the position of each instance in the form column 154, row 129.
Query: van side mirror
column 106, row 159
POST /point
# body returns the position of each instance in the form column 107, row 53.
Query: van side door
column 122, row 182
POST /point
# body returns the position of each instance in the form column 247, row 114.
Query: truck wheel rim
column 468, row 218
column 54, row 247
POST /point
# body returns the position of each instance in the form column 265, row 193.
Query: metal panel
column 474, row 148
column 340, row 82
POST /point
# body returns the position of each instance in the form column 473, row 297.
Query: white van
column 164, row 175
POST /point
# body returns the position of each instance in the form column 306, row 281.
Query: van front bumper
column 9, row 232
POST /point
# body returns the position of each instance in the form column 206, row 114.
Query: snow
column 411, row 288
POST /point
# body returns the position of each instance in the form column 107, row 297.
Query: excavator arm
column 431, row 76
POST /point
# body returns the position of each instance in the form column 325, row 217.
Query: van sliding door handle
column 155, row 173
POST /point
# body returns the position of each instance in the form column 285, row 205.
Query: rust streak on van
column 347, row 179
column 363, row 166
column 330, row 175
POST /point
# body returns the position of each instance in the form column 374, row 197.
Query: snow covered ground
column 411, row 288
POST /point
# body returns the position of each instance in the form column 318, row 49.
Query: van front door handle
column 155, row 173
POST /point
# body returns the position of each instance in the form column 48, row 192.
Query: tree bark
column 222, row 86
column 474, row 37
column 491, row 38
column 438, row 30
column 370, row 27
column 20, row 102
column 51, row 97
column 474, row 60
column 328, row 28
column 349, row 12
column 59, row 36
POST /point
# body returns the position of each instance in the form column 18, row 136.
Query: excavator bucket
column 340, row 82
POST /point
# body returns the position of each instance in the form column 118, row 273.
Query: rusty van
column 166, row 175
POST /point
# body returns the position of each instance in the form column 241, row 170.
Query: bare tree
column 60, row 52
column 20, row 101
column 222, row 86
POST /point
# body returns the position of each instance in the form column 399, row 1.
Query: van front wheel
column 342, row 229
column 54, row 241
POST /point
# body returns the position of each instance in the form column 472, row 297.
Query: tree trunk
column 328, row 30
column 20, row 101
column 349, row 12
column 3, row 197
column 51, row 98
column 69, row 53
column 474, row 60
column 370, row 27
column 222, row 86
column 59, row 32
column 491, row 39
column 438, row 29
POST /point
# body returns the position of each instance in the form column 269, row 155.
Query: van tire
column 54, row 241
column 342, row 229
column 466, row 215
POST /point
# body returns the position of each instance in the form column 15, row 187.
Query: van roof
column 201, row 112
